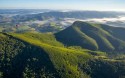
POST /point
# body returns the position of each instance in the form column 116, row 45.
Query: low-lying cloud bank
column 117, row 21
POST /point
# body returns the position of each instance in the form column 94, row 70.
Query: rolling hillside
column 93, row 36
column 37, row 55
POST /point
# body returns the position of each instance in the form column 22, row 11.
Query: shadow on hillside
column 30, row 59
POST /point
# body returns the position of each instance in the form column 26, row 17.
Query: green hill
column 37, row 55
column 93, row 36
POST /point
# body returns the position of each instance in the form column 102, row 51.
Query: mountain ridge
column 38, row 55
column 94, row 35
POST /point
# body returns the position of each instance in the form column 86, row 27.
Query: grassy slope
column 73, row 36
column 115, row 31
column 19, row 59
column 71, row 62
column 65, row 60
column 91, row 36
column 112, row 40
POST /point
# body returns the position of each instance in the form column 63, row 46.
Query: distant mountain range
column 70, row 14
column 54, row 21
column 22, row 11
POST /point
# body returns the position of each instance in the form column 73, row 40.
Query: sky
column 101, row 5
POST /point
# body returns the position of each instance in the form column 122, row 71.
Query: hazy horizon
column 94, row 5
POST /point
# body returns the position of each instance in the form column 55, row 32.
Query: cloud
column 104, row 20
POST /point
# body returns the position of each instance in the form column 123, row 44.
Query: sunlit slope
column 19, row 59
column 36, row 55
column 115, row 31
column 64, row 60
column 92, row 36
